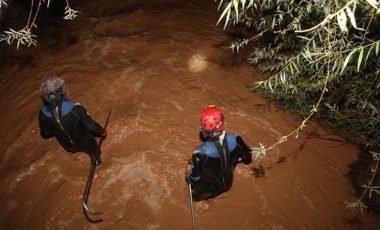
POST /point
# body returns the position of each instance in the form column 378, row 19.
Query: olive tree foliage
column 3, row 4
column 25, row 36
column 321, row 58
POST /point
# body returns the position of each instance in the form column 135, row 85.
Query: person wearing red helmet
column 213, row 162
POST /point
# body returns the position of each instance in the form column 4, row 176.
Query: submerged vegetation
column 322, row 62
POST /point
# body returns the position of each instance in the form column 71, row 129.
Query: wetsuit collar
column 221, row 137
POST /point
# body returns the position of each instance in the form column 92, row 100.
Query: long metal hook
column 86, row 210
column 192, row 208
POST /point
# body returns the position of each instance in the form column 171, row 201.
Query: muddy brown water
column 157, row 64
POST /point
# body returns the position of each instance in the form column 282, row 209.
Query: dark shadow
column 359, row 174
column 354, row 222
column 232, row 58
column 202, row 137
column 258, row 171
column 124, row 10
column 281, row 159
column 71, row 40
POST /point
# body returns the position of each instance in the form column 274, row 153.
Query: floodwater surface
column 156, row 65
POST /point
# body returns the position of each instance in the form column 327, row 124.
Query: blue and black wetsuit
column 71, row 125
column 214, row 163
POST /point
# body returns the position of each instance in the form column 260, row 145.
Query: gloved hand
column 104, row 134
column 188, row 172
column 189, row 167
column 189, row 179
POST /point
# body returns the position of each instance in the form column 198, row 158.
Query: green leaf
column 342, row 20
column 375, row 155
column 220, row 4
column 351, row 15
column 260, row 83
column 275, row 82
column 373, row 3
column 296, row 67
column 243, row 4
column 282, row 77
column 250, row 3
column 227, row 9
column 368, row 53
column 228, row 16
column 373, row 189
column 360, row 59
column 291, row 68
column 305, row 38
column 270, row 85
column 377, row 46
column 306, row 54
column 347, row 60
column 236, row 6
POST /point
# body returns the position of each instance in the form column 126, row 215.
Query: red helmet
column 212, row 120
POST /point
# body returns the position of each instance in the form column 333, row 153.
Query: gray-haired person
column 68, row 121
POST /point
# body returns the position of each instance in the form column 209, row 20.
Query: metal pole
column 192, row 208
column 86, row 210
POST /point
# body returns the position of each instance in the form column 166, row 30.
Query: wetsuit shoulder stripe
column 67, row 107
column 231, row 141
column 44, row 110
column 209, row 149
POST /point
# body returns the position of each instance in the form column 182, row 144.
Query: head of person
column 54, row 91
column 212, row 122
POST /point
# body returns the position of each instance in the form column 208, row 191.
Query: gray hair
column 54, row 90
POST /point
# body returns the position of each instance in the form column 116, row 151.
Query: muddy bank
column 157, row 64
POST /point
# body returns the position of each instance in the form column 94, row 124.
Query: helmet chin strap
column 214, row 136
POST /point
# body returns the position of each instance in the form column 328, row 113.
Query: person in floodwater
column 214, row 161
column 68, row 121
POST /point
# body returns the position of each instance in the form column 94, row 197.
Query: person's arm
column 87, row 120
column 195, row 175
column 45, row 130
column 245, row 151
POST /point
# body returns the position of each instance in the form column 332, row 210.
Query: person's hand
column 103, row 135
column 188, row 178
column 189, row 166
column 188, row 171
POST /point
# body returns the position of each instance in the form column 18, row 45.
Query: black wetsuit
column 74, row 128
column 214, row 163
